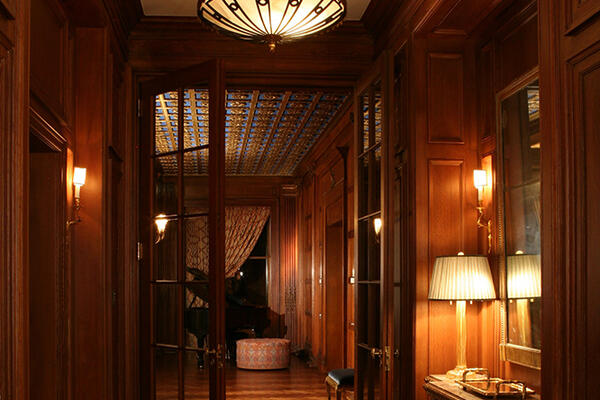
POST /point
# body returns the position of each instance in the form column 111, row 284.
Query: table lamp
column 524, row 283
column 461, row 278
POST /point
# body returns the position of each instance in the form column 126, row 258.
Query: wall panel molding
column 445, row 102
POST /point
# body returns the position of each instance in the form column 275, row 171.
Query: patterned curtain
column 243, row 226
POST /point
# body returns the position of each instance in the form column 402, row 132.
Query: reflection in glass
column 365, row 108
column 195, row 118
column 165, row 254
column 165, row 184
column 166, row 115
column 521, row 161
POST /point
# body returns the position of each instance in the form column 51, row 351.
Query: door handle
column 376, row 354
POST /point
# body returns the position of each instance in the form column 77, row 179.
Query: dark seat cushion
column 342, row 376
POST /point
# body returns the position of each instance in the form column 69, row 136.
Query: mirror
column 519, row 145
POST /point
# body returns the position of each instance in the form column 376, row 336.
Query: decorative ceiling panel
column 266, row 132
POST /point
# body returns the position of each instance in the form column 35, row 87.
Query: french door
column 382, row 229
column 182, row 224
column 372, row 353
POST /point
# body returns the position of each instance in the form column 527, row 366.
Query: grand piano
column 242, row 319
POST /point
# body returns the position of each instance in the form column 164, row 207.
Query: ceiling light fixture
column 271, row 21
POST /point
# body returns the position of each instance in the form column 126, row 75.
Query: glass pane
column 195, row 181
column 363, row 251
column 196, row 315
column 369, row 181
column 364, row 107
column 195, row 117
column 165, row 120
column 369, row 251
column 165, row 313
column 196, row 248
column 165, row 252
column 165, row 184
column 373, row 322
column 375, row 180
column 521, row 158
column 377, row 107
column 166, row 374
column 195, row 376
column 362, row 313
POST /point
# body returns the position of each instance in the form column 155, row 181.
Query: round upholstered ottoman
column 263, row 353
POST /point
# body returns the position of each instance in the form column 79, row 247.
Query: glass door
column 182, row 227
column 371, row 361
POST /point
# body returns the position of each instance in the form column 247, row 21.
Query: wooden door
column 183, row 266
column 372, row 355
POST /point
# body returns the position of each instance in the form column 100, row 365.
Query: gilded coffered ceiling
column 266, row 132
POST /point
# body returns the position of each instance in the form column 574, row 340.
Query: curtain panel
column 243, row 226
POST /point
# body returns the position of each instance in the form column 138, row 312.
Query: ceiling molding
column 169, row 44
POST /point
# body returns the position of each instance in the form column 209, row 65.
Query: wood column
column 91, row 278
column 14, row 125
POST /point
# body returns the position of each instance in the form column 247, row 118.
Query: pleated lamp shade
column 524, row 276
column 461, row 278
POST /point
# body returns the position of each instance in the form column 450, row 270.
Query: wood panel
column 50, row 63
column 584, row 81
column 445, row 113
column 517, row 46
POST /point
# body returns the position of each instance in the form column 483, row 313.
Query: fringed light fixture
column 271, row 21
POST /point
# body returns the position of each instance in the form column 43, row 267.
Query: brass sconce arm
column 484, row 222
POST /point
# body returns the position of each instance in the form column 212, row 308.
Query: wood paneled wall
column 459, row 53
column 570, row 116
column 327, row 172
column 445, row 155
column 78, row 53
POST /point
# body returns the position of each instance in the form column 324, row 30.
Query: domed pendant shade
column 271, row 21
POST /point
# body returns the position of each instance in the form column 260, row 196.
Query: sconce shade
column 524, row 276
column 377, row 225
column 79, row 176
column 161, row 223
column 461, row 278
column 480, row 179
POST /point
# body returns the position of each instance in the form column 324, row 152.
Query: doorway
column 47, row 317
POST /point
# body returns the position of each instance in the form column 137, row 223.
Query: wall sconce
column 78, row 182
column 480, row 181
column 377, row 227
column 161, row 225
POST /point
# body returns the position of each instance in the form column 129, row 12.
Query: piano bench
column 339, row 380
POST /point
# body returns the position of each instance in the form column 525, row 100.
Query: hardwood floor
column 297, row 382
